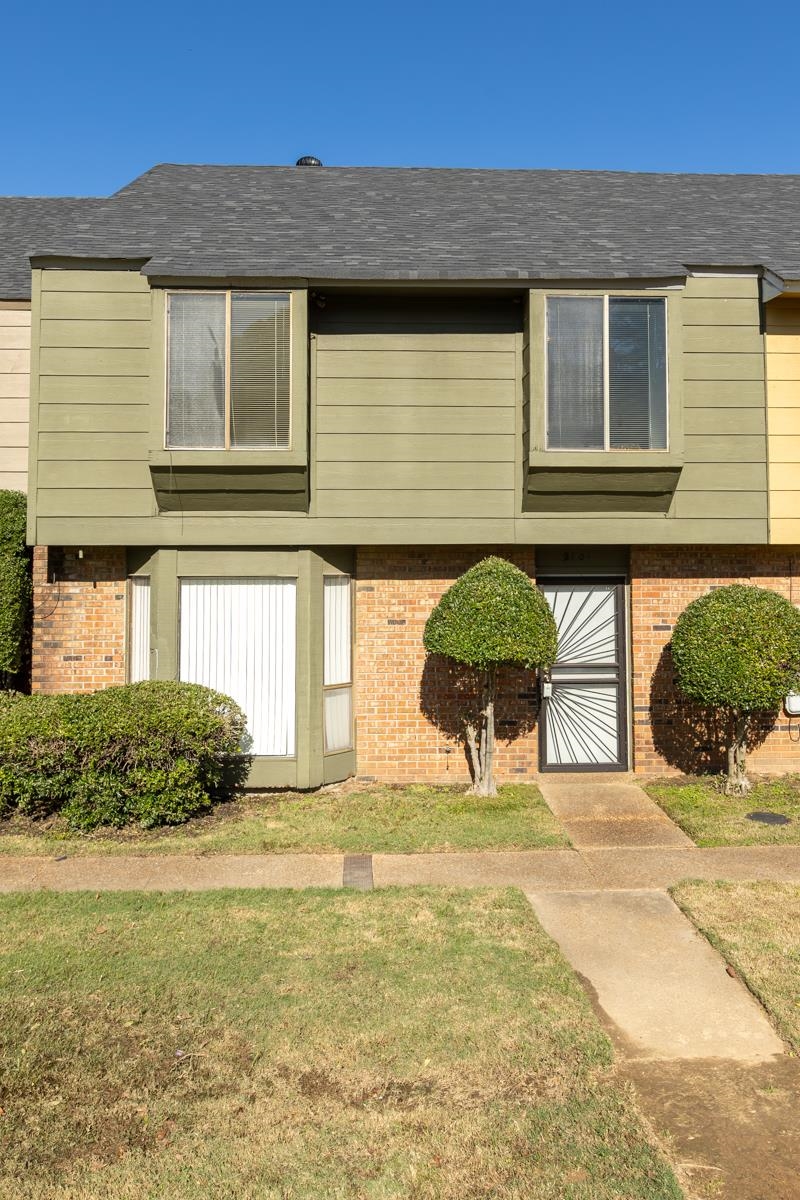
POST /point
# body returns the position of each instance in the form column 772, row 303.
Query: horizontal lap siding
column 93, row 407
column 15, row 354
column 783, row 419
column 414, row 425
column 724, row 418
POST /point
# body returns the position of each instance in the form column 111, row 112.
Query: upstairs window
column 606, row 373
column 228, row 377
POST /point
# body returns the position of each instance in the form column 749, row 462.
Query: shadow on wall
column 691, row 738
column 449, row 696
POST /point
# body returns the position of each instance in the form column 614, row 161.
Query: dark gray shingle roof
column 25, row 223
column 431, row 223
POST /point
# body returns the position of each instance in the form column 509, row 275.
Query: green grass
column 419, row 1044
column 756, row 927
column 712, row 819
column 349, row 819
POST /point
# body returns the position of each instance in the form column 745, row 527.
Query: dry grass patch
column 348, row 818
column 411, row 1044
column 712, row 819
column 756, row 927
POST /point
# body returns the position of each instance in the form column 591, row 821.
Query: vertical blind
column 196, row 400
column 628, row 411
column 250, row 407
column 238, row 636
column 575, row 374
column 260, row 370
column 139, row 629
column 337, row 662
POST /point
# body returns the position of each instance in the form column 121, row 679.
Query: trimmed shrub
column 737, row 650
column 491, row 617
column 149, row 754
column 15, row 585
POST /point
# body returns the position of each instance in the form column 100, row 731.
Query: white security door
column 583, row 718
column 238, row 637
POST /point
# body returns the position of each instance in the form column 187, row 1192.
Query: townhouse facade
column 275, row 412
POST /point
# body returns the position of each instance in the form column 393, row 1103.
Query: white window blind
column 229, row 378
column 139, row 628
column 196, row 391
column 238, row 636
column 606, row 373
column 575, row 373
column 260, row 370
column 337, row 662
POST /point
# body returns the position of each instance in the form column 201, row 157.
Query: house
column 276, row 411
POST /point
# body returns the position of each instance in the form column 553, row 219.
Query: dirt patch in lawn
column 734, row 1130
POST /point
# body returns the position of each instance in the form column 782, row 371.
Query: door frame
column 620, row 582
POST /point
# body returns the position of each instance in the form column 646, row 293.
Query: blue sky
column 97, row 93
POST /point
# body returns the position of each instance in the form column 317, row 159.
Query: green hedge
column 149, row 754
column 15, row 585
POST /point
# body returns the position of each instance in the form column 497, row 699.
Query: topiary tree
column 490, row 618
column 737, row 650
column 15, row 585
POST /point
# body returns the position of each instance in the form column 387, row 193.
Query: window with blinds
column 138, row 628
column 229, row 372
column 238, row 636
column 337, row 676
column 606, row 373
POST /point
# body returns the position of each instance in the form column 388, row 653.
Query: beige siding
column 15, row 367
column 416, row 425
column 783, row 419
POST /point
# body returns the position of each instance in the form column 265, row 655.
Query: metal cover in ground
column 357, row 871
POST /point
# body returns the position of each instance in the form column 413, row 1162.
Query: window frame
column 539, row 453
column 296, row 454
column 131, row 582
column 334, row 687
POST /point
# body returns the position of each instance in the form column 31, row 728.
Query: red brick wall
column 406, row 712
column 79, row 614
column 667, row 736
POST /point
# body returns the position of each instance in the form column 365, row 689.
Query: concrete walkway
column 609, row 809
column 663, row 989
column 532, row 870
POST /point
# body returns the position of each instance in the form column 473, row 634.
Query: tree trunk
column 736, row 782
column 484, row 784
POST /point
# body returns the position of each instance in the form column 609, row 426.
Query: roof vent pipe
column 308, row 160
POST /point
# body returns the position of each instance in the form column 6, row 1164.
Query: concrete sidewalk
column 616, row 869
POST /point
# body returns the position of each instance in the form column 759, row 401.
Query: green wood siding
column 422, row 423
column 416, row 424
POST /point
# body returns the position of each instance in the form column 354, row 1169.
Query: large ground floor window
column 238, row 637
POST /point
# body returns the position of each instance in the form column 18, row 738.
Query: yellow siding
column 15, row 354
column 783, row 418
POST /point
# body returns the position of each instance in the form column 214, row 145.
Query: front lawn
column 712, row 819
column 756, row 927
column 348, row 818
column 428, row 1044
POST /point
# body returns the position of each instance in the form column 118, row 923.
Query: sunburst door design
column 583, row 718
